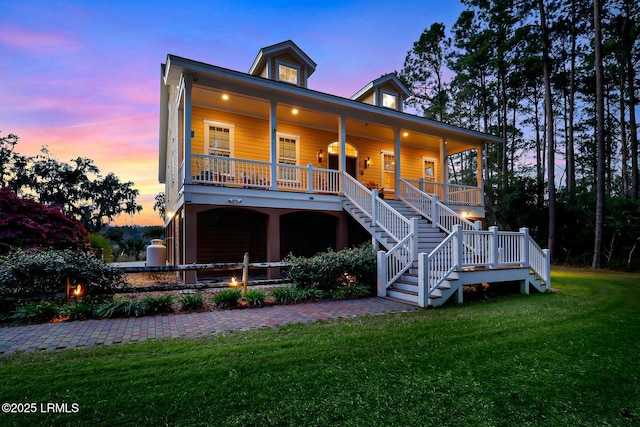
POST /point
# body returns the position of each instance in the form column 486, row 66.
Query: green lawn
column 570, row 358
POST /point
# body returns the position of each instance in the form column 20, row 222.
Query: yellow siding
column 311, row 141
column 251, row 135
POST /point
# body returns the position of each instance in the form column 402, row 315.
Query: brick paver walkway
column 89, row 333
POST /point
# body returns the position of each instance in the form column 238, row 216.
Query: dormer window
column 288, row 73
column 390, row 100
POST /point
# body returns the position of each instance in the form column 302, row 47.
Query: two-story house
column 259, row 162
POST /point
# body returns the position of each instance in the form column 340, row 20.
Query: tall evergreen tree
column 600, row 137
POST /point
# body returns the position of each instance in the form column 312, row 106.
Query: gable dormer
column 386, row 91
column 284, row 62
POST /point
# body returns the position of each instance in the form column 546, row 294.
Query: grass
column 558, row 359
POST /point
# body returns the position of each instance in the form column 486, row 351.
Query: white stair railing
column 476, row 248
column 398, row 259
column 431, row 208
column 358, row 194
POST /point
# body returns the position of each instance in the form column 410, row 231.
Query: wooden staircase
column 422, row 264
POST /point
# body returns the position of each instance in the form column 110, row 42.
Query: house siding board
column 251, row 134
column 311, row 141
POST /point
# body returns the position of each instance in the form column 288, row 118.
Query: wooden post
column 68, row 293
column 245, row 272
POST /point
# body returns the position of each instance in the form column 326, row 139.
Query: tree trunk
column 548, row 110
column 600, row 150
column 571, row 168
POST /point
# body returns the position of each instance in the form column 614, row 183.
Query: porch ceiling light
column 294, row 111
column 225, row 97
column 405, row 134
column 235, row 202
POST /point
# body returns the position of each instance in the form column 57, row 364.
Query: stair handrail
column 540, row 261
column 435, row 267
column 394, row 263
column 431, row 208
column 358, row 194
column 383, row 214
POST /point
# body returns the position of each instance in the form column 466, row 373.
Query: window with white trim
column 218, row 141
column 288, row 73
column 288, row 154
column 390, row 100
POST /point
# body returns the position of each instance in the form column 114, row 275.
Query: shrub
column 350, row 292
column 305, row 294
column 160, row 304
column 292, row 294
column 333, row 270
column 101, row 247
column 227, row 298
column 37, row 272
column 82, row 311
column 43, row 311
column 191, row 302
column 283, row 295
column 25, row 223
column 121, row 308
column 255, row 298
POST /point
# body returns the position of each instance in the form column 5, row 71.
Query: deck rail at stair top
column 432, row 209
column 396, row 225
column 456, row 194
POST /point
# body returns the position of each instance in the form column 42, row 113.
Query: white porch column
column 444, row 169
column 396, row 156
column 342, row 138
column 480, row 156
column 273, row 129
column 188, row 86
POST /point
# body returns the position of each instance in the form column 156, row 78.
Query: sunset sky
column 82, row 77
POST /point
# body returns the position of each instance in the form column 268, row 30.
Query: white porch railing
column 232, row 172
column 476, row 248
column 431, row 208
column 454, row 194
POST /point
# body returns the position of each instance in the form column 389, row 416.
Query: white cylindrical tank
column 156, row 253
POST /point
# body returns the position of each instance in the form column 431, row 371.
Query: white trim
column 207, row 125
column 391, row 93
column 289, row 136
column 434, row 178
column 296, row 138
column 293, row 66
column 383, row 171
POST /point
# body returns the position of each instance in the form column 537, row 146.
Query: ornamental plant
column 25, row 223
column 227, row 298
column 32, row 273
column 331, row 270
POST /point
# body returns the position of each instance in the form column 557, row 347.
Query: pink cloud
column 38, row 42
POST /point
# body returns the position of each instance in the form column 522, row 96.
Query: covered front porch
column 239, row 174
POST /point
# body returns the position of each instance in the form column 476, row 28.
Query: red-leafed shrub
column 25, row 223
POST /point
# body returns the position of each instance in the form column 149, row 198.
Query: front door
column 351, row 166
